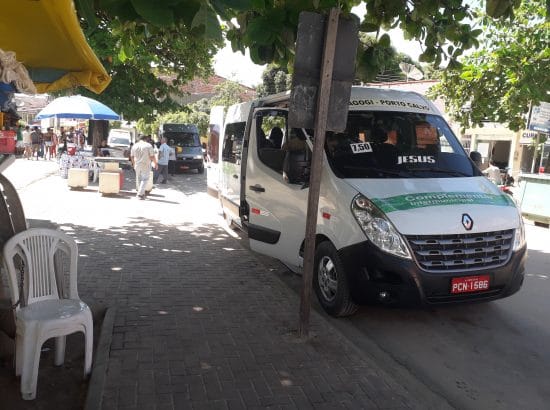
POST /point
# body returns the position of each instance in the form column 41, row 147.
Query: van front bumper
column 376, row 276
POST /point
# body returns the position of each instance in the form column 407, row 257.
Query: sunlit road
column 482, row 356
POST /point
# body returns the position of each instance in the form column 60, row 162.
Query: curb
column 101, row 362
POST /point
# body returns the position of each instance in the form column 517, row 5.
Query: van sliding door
column 231, row 162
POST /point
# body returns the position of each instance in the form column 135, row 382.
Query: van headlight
column 197, row 157
column 377, row 227
column 519, row 235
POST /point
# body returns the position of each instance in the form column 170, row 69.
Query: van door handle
column 235, row 176
column 257, row 188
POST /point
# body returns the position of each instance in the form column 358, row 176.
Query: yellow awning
column 48, row 40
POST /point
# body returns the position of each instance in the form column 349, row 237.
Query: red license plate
column 468, row 284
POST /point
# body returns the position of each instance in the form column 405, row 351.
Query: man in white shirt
column 493, row 173
column 164, row 157
column 142, row 155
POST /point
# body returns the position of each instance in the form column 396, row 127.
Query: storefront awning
column 48, row 40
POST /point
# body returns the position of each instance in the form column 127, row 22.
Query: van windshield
column 182, row 139
column 397, row 145
column 119, row 140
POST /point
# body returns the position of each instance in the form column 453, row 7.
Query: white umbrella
column 77, row 106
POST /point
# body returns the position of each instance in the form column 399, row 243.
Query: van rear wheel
column 331, row 283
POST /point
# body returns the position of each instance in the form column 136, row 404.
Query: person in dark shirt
column 102, row 150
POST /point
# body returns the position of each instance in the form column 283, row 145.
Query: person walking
column 36, row 141
column 48, row 141
column 172, row 159
column 53, row 147
column 164, row 157
column 142, row 155
column 62, row 140
column 27, row 142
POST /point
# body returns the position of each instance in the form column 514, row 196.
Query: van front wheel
column 331, row 283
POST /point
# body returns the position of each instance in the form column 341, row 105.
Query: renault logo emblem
column 467, row 222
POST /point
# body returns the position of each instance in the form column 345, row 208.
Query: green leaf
column 367, row 27
column 206, row 18
column 122, row 55
column 151, row 12
column 261, row 32
column 467, row 75
column 498, row 8
column 85, row 10
column 454, row 65
column 258, row 4
column 385, row 40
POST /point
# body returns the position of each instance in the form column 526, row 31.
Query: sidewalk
column 200, row 322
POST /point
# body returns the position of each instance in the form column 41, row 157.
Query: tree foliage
column 268, row 27
column 198, row 113
column 387, row 60
column 507, row 75
column 274, row 80
column 227, row 93
column 148, row 61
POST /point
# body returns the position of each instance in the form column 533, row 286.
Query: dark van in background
column 184, row 138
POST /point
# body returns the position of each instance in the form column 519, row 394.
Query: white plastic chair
column 47, row 307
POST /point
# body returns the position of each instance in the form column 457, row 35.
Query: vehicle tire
column 200, row 170
column 331, row 283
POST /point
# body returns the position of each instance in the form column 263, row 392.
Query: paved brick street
column 200, row 321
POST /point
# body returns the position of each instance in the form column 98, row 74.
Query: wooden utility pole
column 317, row 168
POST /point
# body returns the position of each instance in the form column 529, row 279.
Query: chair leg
column 19, row 354
column 89, row 346
column 29, row 374
column 60, row 343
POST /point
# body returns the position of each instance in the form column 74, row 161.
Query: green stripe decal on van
column 412, row 201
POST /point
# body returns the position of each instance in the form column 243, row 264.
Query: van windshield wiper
column 437, row 170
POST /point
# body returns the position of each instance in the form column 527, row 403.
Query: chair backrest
column 276, row 137
column 40, row 249
column 295, row 165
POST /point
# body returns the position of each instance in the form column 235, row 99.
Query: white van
column 120, row 140
column 404, row 214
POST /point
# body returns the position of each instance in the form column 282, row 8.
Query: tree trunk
column 98, row 131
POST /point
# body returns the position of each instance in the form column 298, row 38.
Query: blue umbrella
column 77, row 106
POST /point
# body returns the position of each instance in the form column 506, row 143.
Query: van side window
column 270, row 133
column 233, row 142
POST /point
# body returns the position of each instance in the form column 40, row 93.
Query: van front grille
column 440, row 253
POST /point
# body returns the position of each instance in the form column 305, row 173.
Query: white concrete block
column 109, row 182
column 111, row 166
column 78, row 178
